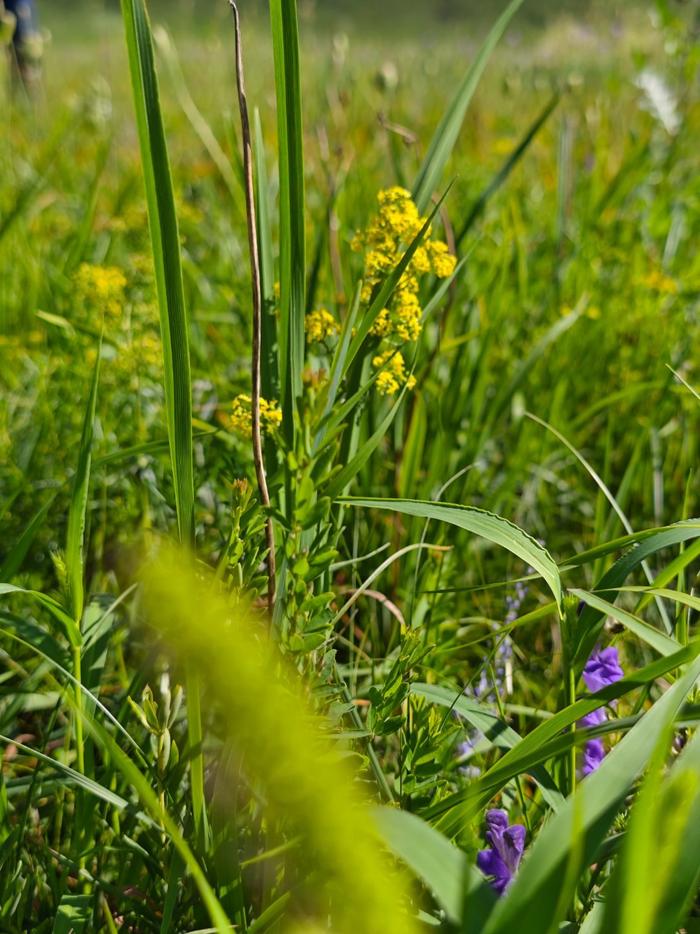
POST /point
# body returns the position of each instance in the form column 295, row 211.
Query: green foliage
column 176, row 758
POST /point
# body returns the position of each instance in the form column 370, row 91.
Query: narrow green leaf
column 443, row 867
column 663, row 644
column 165, row 243
column 447, row 132
column 507, row 167
column 591, row 619
column 76, row 778
column 53, row 606
column 77, row 513
column 285, row 42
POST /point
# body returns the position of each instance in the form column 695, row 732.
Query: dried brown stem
column 257, row 307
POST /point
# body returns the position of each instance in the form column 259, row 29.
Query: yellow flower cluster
column 241, row 418
column 390, row 232
column 394, row 376
column 102, row 287
column 658, row 281
column 320, row 325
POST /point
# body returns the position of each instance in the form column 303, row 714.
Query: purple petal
column 594, row 718
column 593, row 755
column 491, row 864
column 514, row 840
column 496, row 820
column 601, row 669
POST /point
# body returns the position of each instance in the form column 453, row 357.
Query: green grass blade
column 13, row 560
column 269, row 369
column 659, row 641
column 285, row 41
column 592, row 619
column 443, row 867
column 493, row 728
column 445, row 137
column 493, row 528
column 76, row 778
column 77, row 513
column 165, row 243
column 507, row 167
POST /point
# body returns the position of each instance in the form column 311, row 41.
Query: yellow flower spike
column 395, row 225
column 320, row 325
column 241, row 418
column 391, row 379
column 102, row 287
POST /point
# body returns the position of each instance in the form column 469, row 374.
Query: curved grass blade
column 447, row 132
column 591, row 619
column 76, row 778
column 493, row 528
column 658, row 640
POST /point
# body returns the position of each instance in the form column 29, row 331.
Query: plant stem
column 257, row 308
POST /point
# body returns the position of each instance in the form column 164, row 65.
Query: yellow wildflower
column 241, row 418
column 320, row 325
column 389, row 232
column 394, row 376
column 102, row 287
column 442, row 261
column 658, row 281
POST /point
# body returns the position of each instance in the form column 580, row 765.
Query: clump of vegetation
column 348, row 567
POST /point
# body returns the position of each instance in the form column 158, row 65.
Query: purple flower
column 593, row 755
column 500, row 862
column 602, row 669
column 594, row 718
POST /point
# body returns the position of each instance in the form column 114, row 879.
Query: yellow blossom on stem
column 241, row 417
column 389, row 232
column 320, row 325
column 102, row 287
column 391, row 379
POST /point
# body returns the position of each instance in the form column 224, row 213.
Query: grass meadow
column 348, row 470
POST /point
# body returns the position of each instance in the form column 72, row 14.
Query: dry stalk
column 257, row 307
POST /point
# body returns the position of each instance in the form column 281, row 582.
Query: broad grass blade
column 165, row 242
column 285, row 42
column 443, row 867
column 493, row 528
